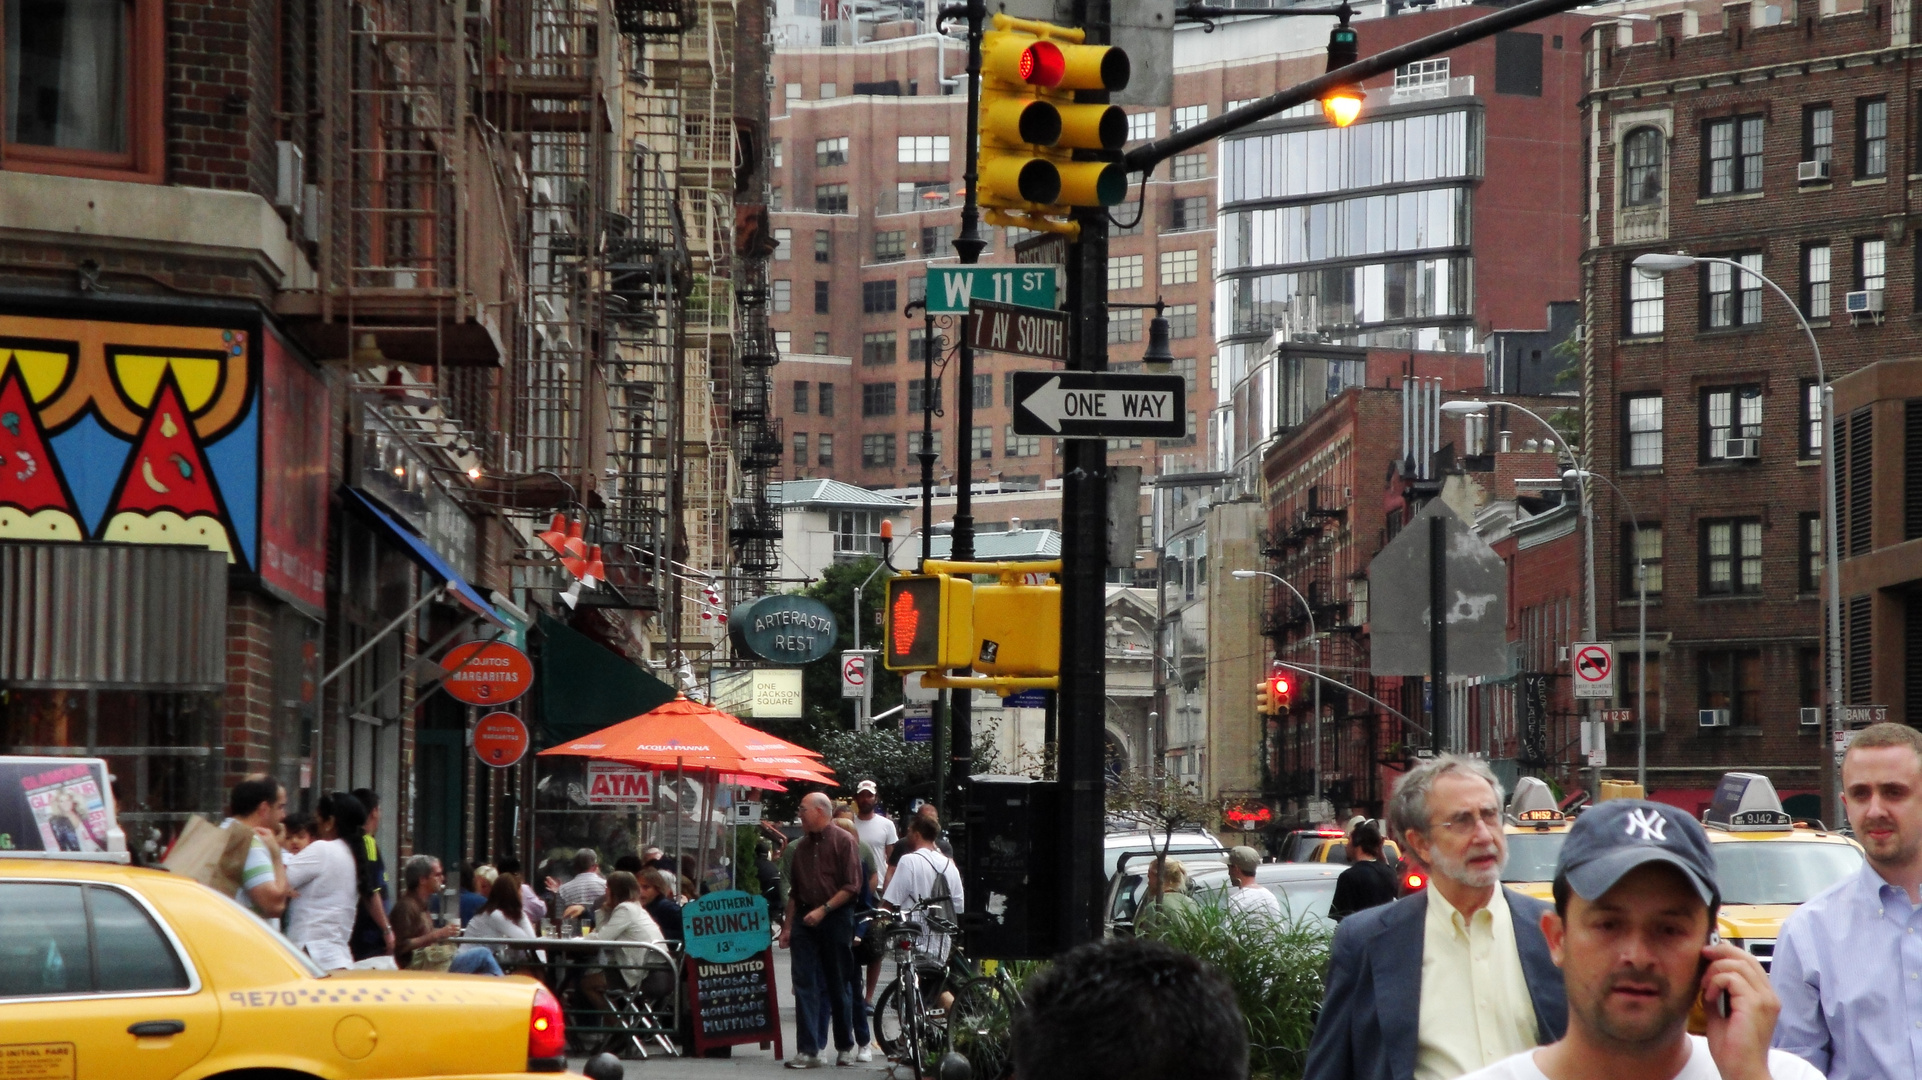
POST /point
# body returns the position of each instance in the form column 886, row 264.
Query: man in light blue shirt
column 1848, row 964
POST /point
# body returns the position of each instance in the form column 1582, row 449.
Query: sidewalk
column 749, row 1060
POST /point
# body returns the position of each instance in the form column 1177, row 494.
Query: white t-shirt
column 1701, row 1066
column 913, row 882
column 1254, row 900
column 321, row 918
column 878, row 834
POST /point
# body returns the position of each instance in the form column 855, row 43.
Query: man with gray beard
column 1450, row 979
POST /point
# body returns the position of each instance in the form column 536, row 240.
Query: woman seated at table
column 657, row 896
column 504, row 917
column 622, row 918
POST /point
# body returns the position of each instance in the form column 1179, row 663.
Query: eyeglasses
column 1466, row 821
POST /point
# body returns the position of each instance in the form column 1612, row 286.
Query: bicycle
column 979, row 1018
column 910, row 1030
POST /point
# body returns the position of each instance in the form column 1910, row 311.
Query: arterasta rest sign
column 785, row 629
column 1100, row 405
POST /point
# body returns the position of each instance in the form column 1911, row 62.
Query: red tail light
column 1414, row 881
column 546, row 1034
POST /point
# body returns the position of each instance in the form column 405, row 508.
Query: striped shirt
column 585, row 890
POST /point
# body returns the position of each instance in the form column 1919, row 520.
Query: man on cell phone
column 1633, row 931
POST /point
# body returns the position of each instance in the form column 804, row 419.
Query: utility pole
column 968, row 246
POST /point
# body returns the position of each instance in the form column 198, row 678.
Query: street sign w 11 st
column 951, row 289
column 1100, row 405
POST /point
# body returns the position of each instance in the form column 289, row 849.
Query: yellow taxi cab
column 1336, row 851
column 1767, row 864
column 1535, row 830
column 113, row 972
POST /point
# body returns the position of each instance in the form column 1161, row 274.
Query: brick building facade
column 1787, row 148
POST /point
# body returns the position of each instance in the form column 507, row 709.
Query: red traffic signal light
column 1413, row 881
column 1281, row 689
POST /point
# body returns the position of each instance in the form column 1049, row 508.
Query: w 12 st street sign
column 1100, row 405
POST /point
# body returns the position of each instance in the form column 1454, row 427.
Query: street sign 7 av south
column 1100, row 405
column 1023, row 331
column 951, row 289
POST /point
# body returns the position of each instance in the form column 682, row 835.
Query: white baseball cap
column 867, row 786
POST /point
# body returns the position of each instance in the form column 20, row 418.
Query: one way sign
column 1100, row 405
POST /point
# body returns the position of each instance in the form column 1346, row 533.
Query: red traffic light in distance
column 1281, row 689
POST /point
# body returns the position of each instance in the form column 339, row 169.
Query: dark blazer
column 1371, row 1015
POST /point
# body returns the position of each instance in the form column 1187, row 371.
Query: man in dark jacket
column 1369, row 882
column 1450, row 979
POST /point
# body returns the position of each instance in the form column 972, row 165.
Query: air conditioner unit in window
column 1743, row 449
column 289, row 175
column 1711, row 718
column 1811, row 717
column 1812, row 172
column 1863, row 302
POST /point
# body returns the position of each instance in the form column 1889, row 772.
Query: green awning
column 584, row 686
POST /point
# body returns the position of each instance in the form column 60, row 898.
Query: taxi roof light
column 1746, row 802
column 1533, row 801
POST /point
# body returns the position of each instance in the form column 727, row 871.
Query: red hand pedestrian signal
column 906, row 619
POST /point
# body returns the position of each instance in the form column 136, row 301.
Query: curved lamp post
column 1315, row 634
column 1655, row 264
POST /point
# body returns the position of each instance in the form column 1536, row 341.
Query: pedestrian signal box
column 1017, row 630
column 928, row 624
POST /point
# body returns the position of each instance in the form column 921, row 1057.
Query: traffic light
column 1342, row 104
column 1031, row 125
column 1264, row 698
column 928, row 623
column 1281, row 690
column 1017, row 630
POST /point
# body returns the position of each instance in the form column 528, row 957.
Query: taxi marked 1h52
column 113, row 972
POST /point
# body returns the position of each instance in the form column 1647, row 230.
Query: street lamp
column 1655, row 264
column 1313, row 633
column 1641, row 628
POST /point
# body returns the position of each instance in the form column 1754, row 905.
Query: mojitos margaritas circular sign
column 784, row 629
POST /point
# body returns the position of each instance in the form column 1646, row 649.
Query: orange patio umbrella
column 688, row 734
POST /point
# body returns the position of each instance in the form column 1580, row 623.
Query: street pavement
column 748, row 1060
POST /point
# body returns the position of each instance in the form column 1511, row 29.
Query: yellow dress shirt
column 1475, row 1008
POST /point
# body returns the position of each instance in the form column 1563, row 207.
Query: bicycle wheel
column 978, row 1026
column 889, row 1021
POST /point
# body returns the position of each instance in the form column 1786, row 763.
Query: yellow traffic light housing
column 1032, row 127
column 1264, row 700
column 1281, row 690
column 928, row 623
column 1017, row 629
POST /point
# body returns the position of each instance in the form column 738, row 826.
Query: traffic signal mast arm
column 1144, row 158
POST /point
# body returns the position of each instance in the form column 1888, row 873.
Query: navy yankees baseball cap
column 1614, row 837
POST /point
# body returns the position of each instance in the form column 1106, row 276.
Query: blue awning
column 430, row 561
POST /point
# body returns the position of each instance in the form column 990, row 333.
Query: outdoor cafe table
column 580, row 955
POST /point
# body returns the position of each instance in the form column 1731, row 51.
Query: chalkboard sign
column 727, row 925
column 730, row 1004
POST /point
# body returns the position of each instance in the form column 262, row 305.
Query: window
column 1732, row 155
column 826, row 399
column 983, row 396
column 783, row 295
column 1732, row 557
column 777, row 198
column 934, row 442
column 824, row 450
column 1871, row 264
column 891, row 246
column 1190, row 167
column 1730, row 299
column 1732, row 680
column 877, row 451
column 1021, row 445
column 1141, row 125
column 823, row 246
column 877, row 297
column 49, row 922
column 917, row 395
column 1007, row 388
column 1642, row 431
column 1188, row 116
column 921, row 149
column 1815, row 280
column 130, row 953
column 1124, row 325
column 774, row 151
column 1184, row 366
column 1180, row 267
column 877, row 399
column 1124, row 272
column 857, row 532
column 821, row 343
column 981, row 443
column 800, row 449
column 1188, row 212
column 1644, row 309
column 1808, row 561
column 877, row 347
column 1422, row 73
column 1136, row 222
column 830, row 152
column 830, row 199
column 1643, row 545
column 937, row 242
column 1642, row 167
column 1809, row 422
column 83, row 86
column 1729, row 412
column 821, row 293
column 918, row 345
column 830, row 91
column 793, row 91
column 1818, row 132
column 1182, row 323
column 1871, row 137
column 801, row 392
column 1124, row 444
column 783, row 245
column 784, row 342
column 1240, row 102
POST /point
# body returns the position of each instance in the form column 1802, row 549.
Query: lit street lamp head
column 1657, row 263
column 1465, row 408
column 1244, row 575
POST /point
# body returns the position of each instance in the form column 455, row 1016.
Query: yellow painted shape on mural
column 95, row 385
column 45, row 525
column 140, row 378
column 167, row 527
column 43, row 371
